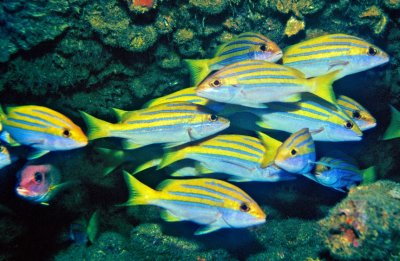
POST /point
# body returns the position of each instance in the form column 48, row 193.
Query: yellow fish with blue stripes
column 246, row 158
column 321, row 55
column 213, row 203
column 325, row 124
column 252, row 83
column 172, row 123
column 245, row 46
column 361, row 116
column 42, row 129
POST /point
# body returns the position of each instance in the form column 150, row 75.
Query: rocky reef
column 96, row 55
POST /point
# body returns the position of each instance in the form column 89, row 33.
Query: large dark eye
column 244, row 207
column 356, row 115
column 372, row 51
column 216, row 83
column 213, row 117
column 263, row 48
column 38, row 177
column 66, row 133
column 348, row 125
column 293, row 152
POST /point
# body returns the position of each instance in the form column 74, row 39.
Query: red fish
column 38, row 183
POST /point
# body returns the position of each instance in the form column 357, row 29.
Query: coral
column 114, row 27
column 148, row 238
column 210, row 6
column 299, row 7
column 141, row 6
column 165, row 23
column 393, row 4
column 367, row 218
column 378, row 19
column 294, row 26
column 167, row 58
column 25, row 25
column 290, row 239
column 183, row 36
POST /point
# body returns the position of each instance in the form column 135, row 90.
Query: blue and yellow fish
column 252, row 83
column 357, row 112
column 246, row 46
column 247, row 158
column 325, row 123
column 172, row 123
column 393, row 130
column 42, row 128
column 5, row 157
column 332, row 52
column 213, row 203
column 339, row 174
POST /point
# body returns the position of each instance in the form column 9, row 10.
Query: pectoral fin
column 130, row 145
column 207, row 229
column 35, row 154
column 169, row 217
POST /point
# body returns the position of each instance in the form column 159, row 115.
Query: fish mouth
column 276, row 56
column 25, row 192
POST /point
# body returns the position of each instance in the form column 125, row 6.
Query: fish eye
column 356, row 115
column 216, row 83
column 348, row 125
column 66, row 133
column 372, row 51
column 38, row 177
column 213, row 117
column 244, row 207
column 263, row 48
column 293, row 152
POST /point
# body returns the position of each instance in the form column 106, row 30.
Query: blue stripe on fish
column 194, row 195
column 232, row 59
column 298, row 135
column 27, row 123
column 317, row 60
column 331, row 44
column 231, row 150
column 270, row 84
column 318, row 52
column 213, row 183
column 52, row 116
column 166, row 111
column 36, row 119
column 210, row 191
column 268, row 77
column 243, row 42
column 241, row 144
column 234, row 50
column 159, row 119
column 188, row 203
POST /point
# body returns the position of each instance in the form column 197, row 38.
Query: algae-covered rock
column 210, row 6
column 289, row 239
column 148, row 241
column 294, row 26
column 297, row 7
column 115, row 28
column 25, row 24
column 366, row 225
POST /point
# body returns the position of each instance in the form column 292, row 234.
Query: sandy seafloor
column 89, row 55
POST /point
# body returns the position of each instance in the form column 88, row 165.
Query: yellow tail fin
column 139, row 193
column 369, row 175
column 393, row 130
column 147, row 165
column 322, row 87
column 3, row 116
column 198, row 69
column 271, row 147
column 96, row 128
column 172, row 156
